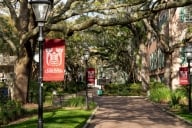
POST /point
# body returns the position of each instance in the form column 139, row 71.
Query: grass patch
column 185, row 115
column 60, row 118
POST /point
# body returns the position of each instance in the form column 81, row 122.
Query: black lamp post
column 188, row 54
column 40, row 9
column 86, row 58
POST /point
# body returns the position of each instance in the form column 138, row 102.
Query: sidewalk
column 132, row 112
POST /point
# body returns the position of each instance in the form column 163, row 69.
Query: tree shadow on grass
column 57, row 119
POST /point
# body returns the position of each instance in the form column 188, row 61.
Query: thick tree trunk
column 167, row 74
column 144, row 67
column 21, row 80
column 22, row 73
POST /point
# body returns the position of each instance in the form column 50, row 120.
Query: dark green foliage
column 48, row 88
column 10, row 111
column 177, row 95
column 133, row 89
column 33, row 92
column 160, row 93
column 92, row 105
column 74, row 87
column 178, row 98
column 116, row 89
column 155, row 84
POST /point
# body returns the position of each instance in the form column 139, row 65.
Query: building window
column 161, row 59
column 185, row 14
column 163, row 18
column 151, row 62
column 157, row 60
column 182, row 56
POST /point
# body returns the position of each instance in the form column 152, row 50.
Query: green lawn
column 61, row 118
column 186, row 116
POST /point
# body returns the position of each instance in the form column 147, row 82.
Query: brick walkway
column 132, row 112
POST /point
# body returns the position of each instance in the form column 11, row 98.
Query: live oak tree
column 64, row 18
column 7, row 34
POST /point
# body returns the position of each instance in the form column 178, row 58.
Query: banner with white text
column 183, row 76
column 91, row 75
column 53, row 60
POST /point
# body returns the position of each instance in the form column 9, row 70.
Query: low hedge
column 10, row 111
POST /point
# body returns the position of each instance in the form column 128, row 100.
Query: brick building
column 174, row 25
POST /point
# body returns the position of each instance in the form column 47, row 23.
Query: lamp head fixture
column 188, row 52
column 86, row 54
column 41, row 9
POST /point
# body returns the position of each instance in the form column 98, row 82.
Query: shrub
column 78, row 101
column 177, row 97
column 160, row 95
column 155, row 85
column 113, row 89
column 10, row 111
column 92, row 105
column 74, row 87
column 2, row 84
column 50, row 86
column 135, row 89
column 47, row 89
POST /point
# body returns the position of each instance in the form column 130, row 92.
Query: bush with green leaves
column 74, row 87
column 178, row 98
column 78, row 101
column 2, row 84
column 133, row 89
column 10, row 111
column 51, row 86
column 92, row 105
column 116, row 89
column 159, row 92
column 47, row 89
column 155, row 85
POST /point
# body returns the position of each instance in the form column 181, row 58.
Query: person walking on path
column 132, row 112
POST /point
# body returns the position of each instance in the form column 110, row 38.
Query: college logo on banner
column 91, row 75
column 53, row 60
column 183, row 76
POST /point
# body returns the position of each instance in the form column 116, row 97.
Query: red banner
column 53, row 60
column 91, row 75
column 183, row 76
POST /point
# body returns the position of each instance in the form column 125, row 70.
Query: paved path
column 129, row 112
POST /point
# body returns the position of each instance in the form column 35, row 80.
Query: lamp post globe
column 188, row 54
column 86, row 54
column 41, row 9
